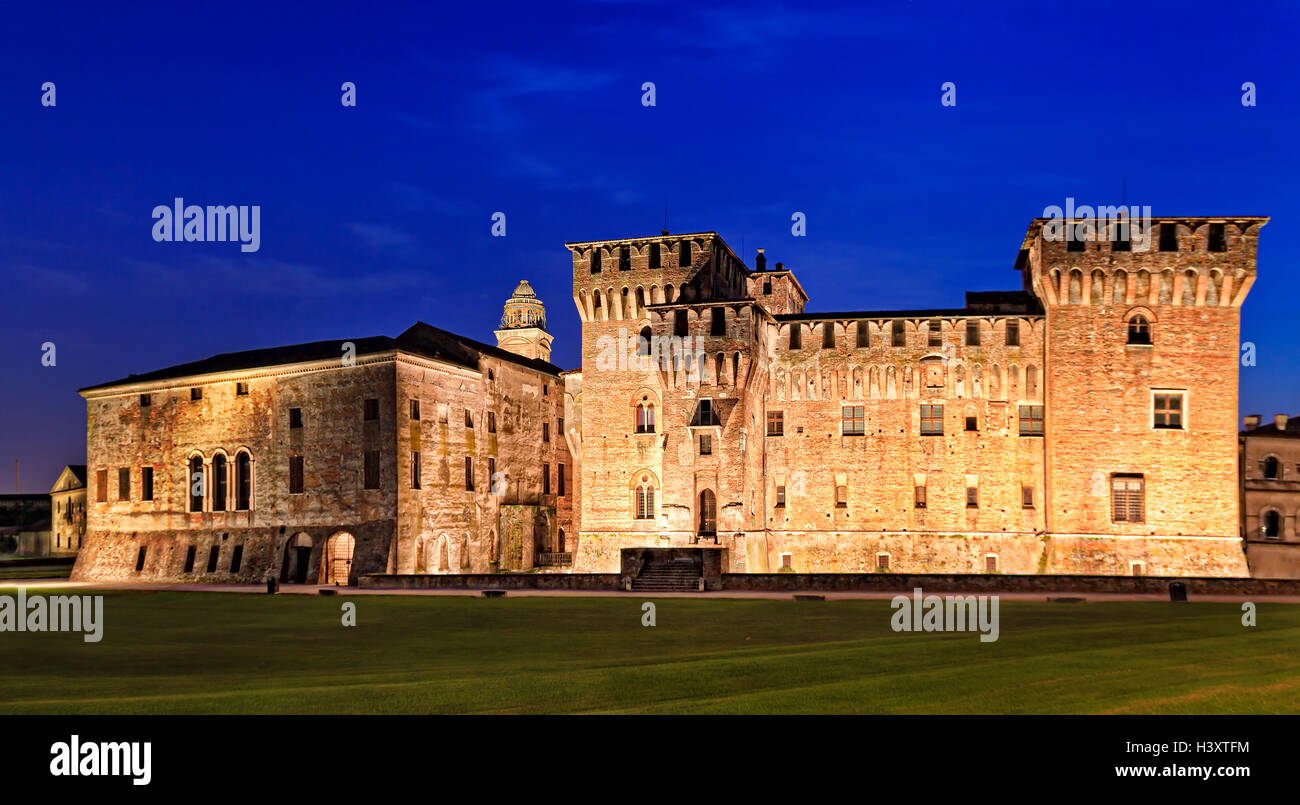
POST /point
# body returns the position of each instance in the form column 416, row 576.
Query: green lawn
column 241, row 653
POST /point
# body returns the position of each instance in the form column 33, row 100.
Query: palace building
column 1084, row 423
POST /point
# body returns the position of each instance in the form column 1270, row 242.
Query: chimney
column 1280, row 421
column 780, row 266
column 1250, row 421
column 760, row 262
column 663, row 231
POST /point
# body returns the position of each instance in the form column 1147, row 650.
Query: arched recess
column 296, row 562
column 338, row 558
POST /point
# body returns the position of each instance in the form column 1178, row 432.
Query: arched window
column 645, row 416
column 219, row 483
column 708, row 514
column 243, row 482
column 1139, row 330
column 559, row 542
column 643, row 341
column 195, row 483
column 1272, row 524
column 1272, row 470
column 645, row 499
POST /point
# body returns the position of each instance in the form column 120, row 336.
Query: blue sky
column 376, row 216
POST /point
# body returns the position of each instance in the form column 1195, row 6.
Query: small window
column 1271, row 524
column 189, row 560
column 1136, row 568
column 704, row 414
column 559, row 478
column 780, row 496
column 796, row 335
column 1026, row 497
column 1013, row 333
column 706, row 444
column 371, row 410
column 295, row 475
column 469, row 473
column 372, row 469
column 787, row 561
column 146, row 483
column 1216, row 241
column 972, row 420
column 935, row 331
column 546, row 478
column 214, row 555
column 828, row 335
column 853, row 420
column 624, row 258
column 139, row 560
column 236, row 558
column 991, row 563
column 897, row 334
column 595, row 266
column 972, row 497
column 931, row 420
column 1139, row 330
column 197, row 484
column 719, row 322
column 546, row 389
column 882, row 562
column 241, row 389
column 1075, row 243
column 972, row 333
column 1169, row 237
column 492, row 472
column 775, row 423
column 1031, row 420
column 469, row 419
column 415, row 410
column 295, row 417
column 841, row 497
column 655, row 259
column 767, row 287
column 101, row 486
column 146, row 400
column 684, row 254
column 1168, row 411
column 645, row 416
column 1272, row 469
column 492, row 421
column 645, row 500
column 196, row 394
column 1128, row 503
column 680, row 323
column 919, row 497
column 124, row 484
column 864, row 335
column 1120, row 240
column 546, row 431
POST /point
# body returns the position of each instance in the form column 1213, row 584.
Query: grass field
column 241, row 653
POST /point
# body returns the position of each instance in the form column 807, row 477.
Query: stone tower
column 523, row 325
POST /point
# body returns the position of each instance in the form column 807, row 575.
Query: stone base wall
column 1277, row 560
column 498, row 581
column 1000, row 583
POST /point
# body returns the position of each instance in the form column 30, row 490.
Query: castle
column 1083, row 424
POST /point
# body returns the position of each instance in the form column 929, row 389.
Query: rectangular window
column 972, row 497
column 146, row 483
column 295, row 418
column 492, row 472
column 236, row 558
column 935, row 329
column 546, row 478
column 371, row 410
column 559, row 427
column 624, row 258
column 864, row 335
column 295, row 475
column 469, row 473
column 559, row 478
column 654, row 256
column 595, row 261
column 139, row 560
column 780, row 497
column 828, row 335
column 214, row 554
column 415, row 410
column 146, row 400
column 897, row 335
column 1026, row 497
column 919, row 497
column 1169, row 237
column 1013, row 333
column 684, row 255
column 796, row 335
column 775, row 423
column 189, row 560
column 1031, row 420
column 680, row 327
column 372, row 469
column 704, row 414
column 1121, row 236
column 972, row 422
column 124, row 483
column 1217, row 241
column 972, row 333
column 706, row 444
column 841, row 497
column 1167, row 411
column 853, row 420
column 415, row 469
column 718, row 325
column 241, row 389
column 546, row 431
column 767, row 287
column 1127, row 497
column 882, row 562
column 931, row 420
column 196, row 394
column 101, row 486
column 1075, row 242
column 469, row 419
column 492, row 421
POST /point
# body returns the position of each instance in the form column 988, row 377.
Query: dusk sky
column 380, row 215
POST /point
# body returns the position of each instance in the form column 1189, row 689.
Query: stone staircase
column 671, row 576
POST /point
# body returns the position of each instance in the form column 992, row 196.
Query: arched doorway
column 338, row 558
column 708, row 514
column 297, row 560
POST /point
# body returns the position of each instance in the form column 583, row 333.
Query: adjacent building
column 68, row 510
column 1270, row 495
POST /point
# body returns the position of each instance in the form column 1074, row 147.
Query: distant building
column 26, row 520
column 68, row 510
column 1270, row 496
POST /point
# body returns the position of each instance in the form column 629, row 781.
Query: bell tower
column 523, row 325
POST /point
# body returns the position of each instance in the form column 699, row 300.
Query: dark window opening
column 684, row 255
column 972, row 333
column 243, row 481
column 931, row 420
column 708, row 514
column 415, row 410
column 139, row 560
column 1271, row 468
column 1075, row 244
column 1139, row 330
column 704, row 414
column 935, row 328
column 469, row 473
column 828, row 335
column 1217, row 240
column 767, row 287
column 146, row 483
column 796, row 336
column 706, row 444
column 189, row 560
column 371, row 410
column 415, row 469
column 1128, row 503
column 624, row 258
column 719, row 323
column 546, row 478
column 595, row 262
column 919, row 497
column 1013, row 333
column 214, row 554
column 775, row 423
column 680, row 324
column 1168, row 411
column 897, row 335
column 654, row 256
column 196, row 394
column 1169, row 237
column 146, row 400
column 241, row 389
column 841, row 497
column 295, row 475
column 864, row 335
column 1026, row 497
column 780, row 497
column 236, row 558
column 972, row 497
column 1031, row 420
column 124, row 484
column 295, row 417
column 372, row 469
column 220, row 483
column 196, row 484
column 643, row 342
